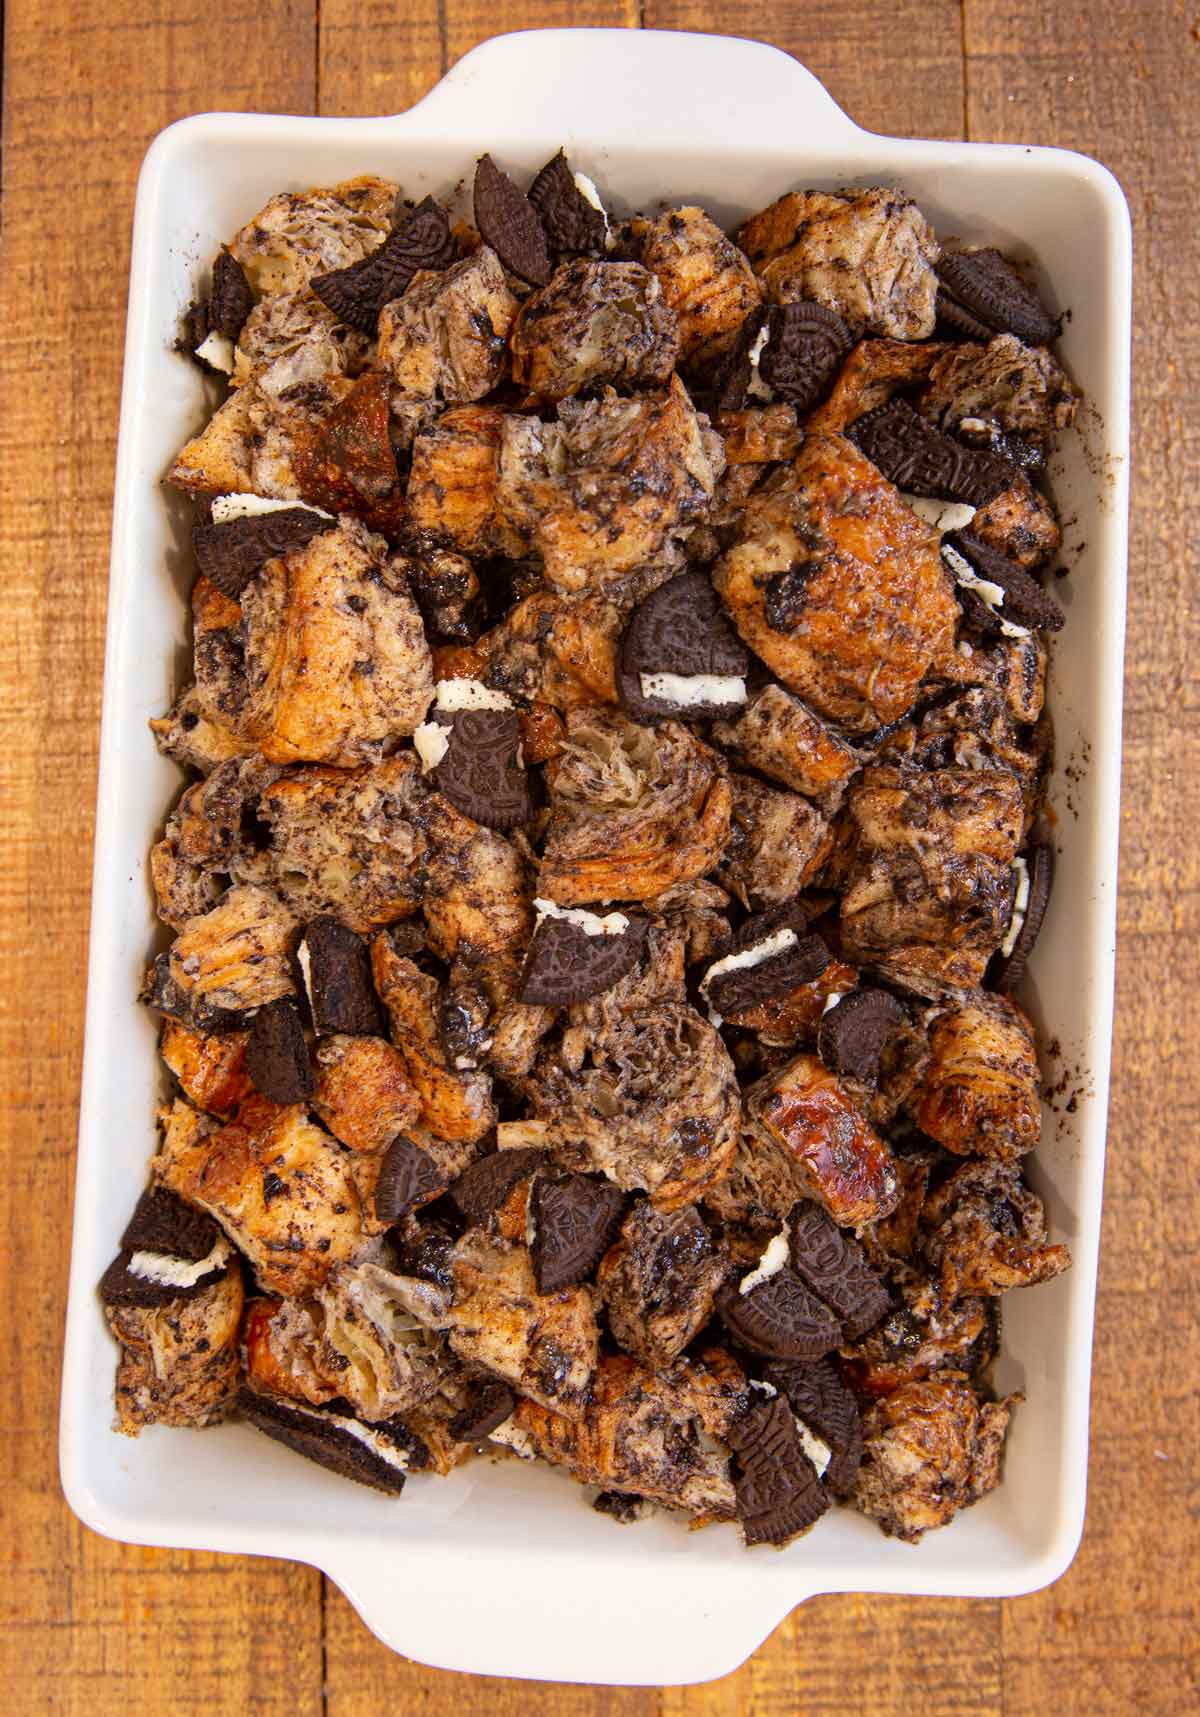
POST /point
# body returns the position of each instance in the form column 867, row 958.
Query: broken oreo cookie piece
column 277, row 1054
column 576, row 1218
column 991, row 291
column 779, row 1495
column 489, row 1406
column 853, row 1033
column 805, row 345
column 999, row 587
column 680, row 656
column 485, row 1185
column 575, row 954
column 337, row 975
column 229, row 554
column 834, row 1266
column 922, row 461
column 770, row 955
column 572, row 224
column 954, row 320
column 346, row 1446
column 1009, row 964
column 169, row 1251
column 508, row 221
column 164, row 1222
column 819, row 1397
column 781, row 1318
column 408, row 1177
column 356, row 294
column 231, row 300
column 481, row 772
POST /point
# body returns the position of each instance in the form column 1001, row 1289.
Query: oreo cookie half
column 1009, row 964
column 805, row 346
column 229, row 553
column 489, row 1406
column 679, row 655
column 770, row 955
column 277, row 1054
column 169, row 1251
column 575, row 954
column 480, row 771
column 576, row 1218
column 344, row 1445
column 922, row 461
column 779, row 1495
column 853, row 1034
column 1004, row 591
column 780, row 1318
column 356, row 295
column 820, row 1398
column 231, row 300
column 834, row 1266
column 408, row 1177
column 988, row 287
column 571, row 223
column 485, row 1185
column 337, row 974
column 508, row 221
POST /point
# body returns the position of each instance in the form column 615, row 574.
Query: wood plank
column 1119, row 1632
column 87, row 1626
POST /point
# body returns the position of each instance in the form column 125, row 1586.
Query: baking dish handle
column 555, row 84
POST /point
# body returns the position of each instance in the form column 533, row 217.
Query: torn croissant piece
column 594, row 322
column 299, row 234
column 776, row 735
column 178, row 1361
column 446, row 336
column 226, row 963
column 363, row 1093
column 454, row 1105
column 634, row 810
column 777, row 844
column 846, row 1167
column 706, row 280
column 984, row 1230
column 211, row 1070
column 453, row 485
column 659, row 1281
column 645, row 1433
column 981, row 1090
column 928, row 1331
column 870, row 375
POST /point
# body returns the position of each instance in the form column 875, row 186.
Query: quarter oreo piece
column 484, row 1186
column 1008, row 970
column 778, row 1492
column 1023, row 600
column 356, row 295
column 681, row 632
column 481, row 773
column 337, row 972
column 277, row 1054
column 854, row 1033
column 508, row 221
column 834, row 1266
column 820, row 1398
column 180, row 1251
column 955, row 319
column 576, row 1218
column 408, row 1177
column 989, row 288
column 921, row 460
column 805, row 347
column 488, row 1407
column 781, row 1319
column 231, row 300
column 163, row 1222
column 566, row 964
column 230, row 554
column 570, row 222
column 365, row 1453
column 735, row 991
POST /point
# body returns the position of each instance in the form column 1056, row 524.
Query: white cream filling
column 515, row 1438
column 587, row 190
column 767, row 1389
column 818, row 1451
column 942, row 515
column 227, row 507
column 432, row 741
column 217, row 351
column 612, row 924
column 304, row 962
column 755, row 956
column 387, row 1451
column 770, row 1264
column 1020, row 905
column 689, row 689
column 469, row 694
column 756, row 387
column 988, row 592
column 167, row 1271
column 832, row 1000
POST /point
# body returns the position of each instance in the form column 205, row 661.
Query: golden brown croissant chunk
column 205, row 840
column 980, row 1093
column 872, row 372
column 867, row 254
column 645, row 1433
column 211, row 1070
column 192, row 738
column 634, row 810
column 235, row 958
column 926, row 1331
column 1005, row 385
column 777, row 843
column 179, row 1361
column 985, row 1231
column 840, row 1159
column 594, row 322
column 335, row 653
column 929, row 1449
column 278, row 1185
column 299, row 234
column 363, row 1093
column 705, row 279
column 658, row 1282
column 256, row 442
column 779, row 737
column 453, row 485
column 289, row 323
column 839, row 587
column 454, row 1105
column 447, row 334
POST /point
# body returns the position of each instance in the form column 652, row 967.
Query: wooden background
column 90, row 1627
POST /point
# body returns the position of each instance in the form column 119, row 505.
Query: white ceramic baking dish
column 502, row 1568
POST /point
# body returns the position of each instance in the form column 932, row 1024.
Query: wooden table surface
column 90, row 1627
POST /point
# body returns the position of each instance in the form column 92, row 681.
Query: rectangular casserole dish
column 502, row 1568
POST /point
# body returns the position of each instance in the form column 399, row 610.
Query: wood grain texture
column 90, row 1627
